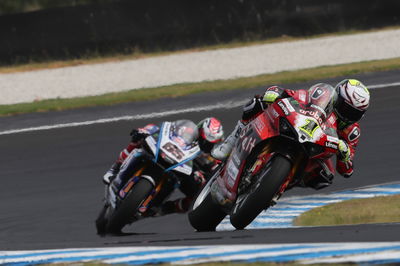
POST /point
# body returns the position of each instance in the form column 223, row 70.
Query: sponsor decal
column 232, row 173
column 333, row 139
column 283, row 107
column 173, row 150
column 274, row 113
column 288, row 105
column 319, row 108
column 244, row 131
column 313, row 114
column 248, row 144
column 331, row 145
column 235, row 159
column 166, row 127
column 185, row 169
column 302, row 96
column 259, row 126
column 332, row 119
column 354, row 134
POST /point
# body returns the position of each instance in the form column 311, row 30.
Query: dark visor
column 348, row 112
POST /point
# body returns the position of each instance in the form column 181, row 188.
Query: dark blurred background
column 22, row 6
column 42, row 30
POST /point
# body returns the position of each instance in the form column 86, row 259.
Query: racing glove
column 136, row 135
column 344, row 152
column 270, row 96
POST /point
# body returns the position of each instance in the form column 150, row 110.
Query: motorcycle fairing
column 265, row 126
column 308, row 123
column 253, row 134
column 149, row 129
column 166, row 147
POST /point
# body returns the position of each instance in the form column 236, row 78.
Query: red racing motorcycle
column 277, row 150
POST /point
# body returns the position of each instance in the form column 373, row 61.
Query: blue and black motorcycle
column 149, row 175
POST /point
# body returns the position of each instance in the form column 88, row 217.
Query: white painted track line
column 223, row 105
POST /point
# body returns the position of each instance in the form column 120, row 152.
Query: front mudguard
column 226, row 198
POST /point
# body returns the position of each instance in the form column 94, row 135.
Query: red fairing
column 262, row 125
column 351, row 135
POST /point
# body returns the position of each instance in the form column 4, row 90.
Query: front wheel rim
column 242, row 198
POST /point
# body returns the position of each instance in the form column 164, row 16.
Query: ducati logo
column 354, row 134
column 317, row 93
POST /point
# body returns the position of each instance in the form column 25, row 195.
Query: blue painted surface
column 250, row 253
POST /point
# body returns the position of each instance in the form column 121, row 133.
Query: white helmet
column 211, row 132
column 353, row 100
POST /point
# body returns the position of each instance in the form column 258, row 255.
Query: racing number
column 171, row 148
column 309, row 127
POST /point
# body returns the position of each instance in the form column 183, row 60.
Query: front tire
column 249, row 204
column 206, row 214
column 126, row 210
column 101, row 221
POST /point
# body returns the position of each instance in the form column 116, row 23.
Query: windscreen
column 322, row 98
column 184, row 132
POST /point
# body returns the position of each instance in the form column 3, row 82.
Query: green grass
column 358, row 211
column 191, row 88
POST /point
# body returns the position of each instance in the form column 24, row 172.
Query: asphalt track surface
column 51, row 189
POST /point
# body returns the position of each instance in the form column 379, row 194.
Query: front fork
column 145, row 205
column 113, row 193
column 262, row 159
column 223, row 196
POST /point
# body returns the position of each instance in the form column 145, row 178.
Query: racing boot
column 181, row 205
column 110, row 175
column 222, row 151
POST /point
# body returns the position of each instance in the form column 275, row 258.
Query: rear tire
column 206, row 215
column 249, row 205
column 126, row 210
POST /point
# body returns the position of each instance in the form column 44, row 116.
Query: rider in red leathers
column 349, row 107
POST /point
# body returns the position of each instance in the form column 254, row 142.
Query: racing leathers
column 189, row 186
column 348, row 135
